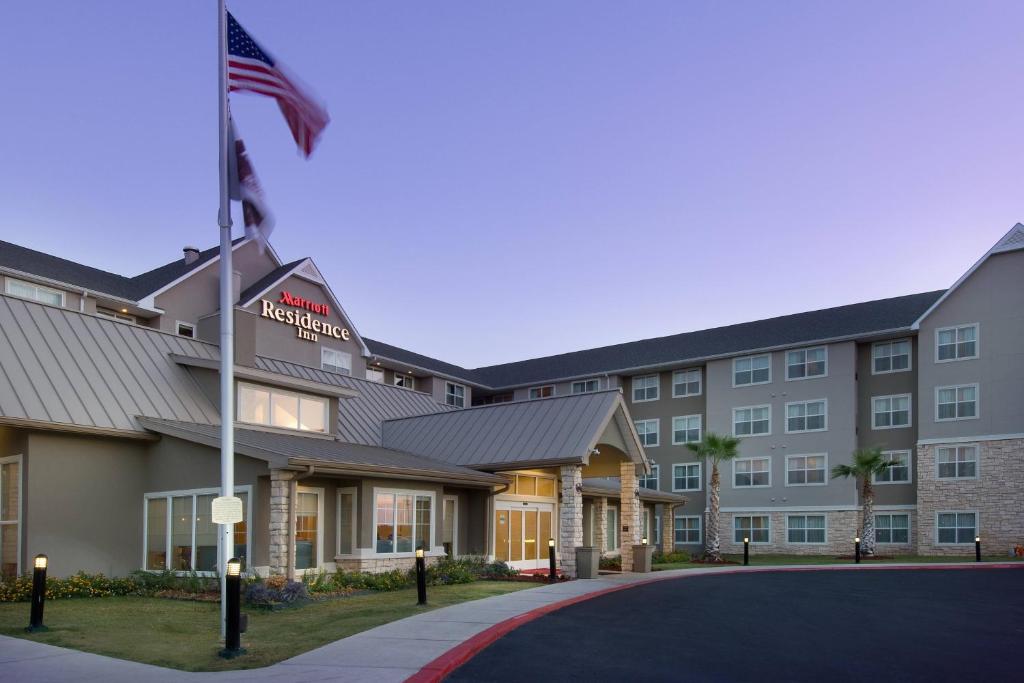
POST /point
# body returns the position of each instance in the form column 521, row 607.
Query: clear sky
column 507, row 180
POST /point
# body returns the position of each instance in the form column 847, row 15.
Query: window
column 956, row 343
column 806, row 416
column 279, row 408
column 454, row 394
column 347, row 527
column 645, row 524
column 186, row 330
column 532, row 485
column 805, row 528
column 505, row 397
column 450, row 525
column 890, row 412
column 647, row 430
column 751, row 370
column 27, row 290
column 375, row 375
column 402, row 521
column 806, row 470
column 755, row 527
column 686, row 383
column 333, row 360
column 892, row 528
column 752, row 472
column 645, row 388
column 892, row 356
column 309, row 528
column 807, row 363
column 405, row 381
column 686, row 529
column 586, row 386
column 179, row 534
column 751, row 421
column 123, row 316
column 898, row 472
column 958, row 402
column 10, row 516
column 542, row 392
column 686, row 429
column 956, row 527
column 957, row 462
column 611, row 533
column 649, row 481
column 686, row 477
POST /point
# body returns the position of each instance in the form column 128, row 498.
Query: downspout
column 81, row 302
column 293, row 500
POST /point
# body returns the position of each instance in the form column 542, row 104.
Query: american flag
column 251, row 68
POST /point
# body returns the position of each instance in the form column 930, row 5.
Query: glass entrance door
column 521, row 534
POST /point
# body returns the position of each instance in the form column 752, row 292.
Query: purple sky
column 508, row 180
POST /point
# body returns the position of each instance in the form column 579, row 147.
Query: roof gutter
column 485, row 481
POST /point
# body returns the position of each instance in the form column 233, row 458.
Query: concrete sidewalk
column 392, row 652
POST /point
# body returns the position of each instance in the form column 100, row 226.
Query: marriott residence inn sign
column 306, row 326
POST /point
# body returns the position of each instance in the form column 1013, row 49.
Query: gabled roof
column 284, row 450
column 416, row 361
column 265, row 283
column 563, row 429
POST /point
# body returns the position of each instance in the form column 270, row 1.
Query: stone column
column 601, row 524
column 570, row 517
column 668, row 528
column 280, row 509
column 629, row 509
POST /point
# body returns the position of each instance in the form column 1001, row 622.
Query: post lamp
column 233, row 613
column 977, row 548
column 746, row 550
column 643, row 541
column 35, row 621
column 421, row 578
column 552, row 571
column 856, row 549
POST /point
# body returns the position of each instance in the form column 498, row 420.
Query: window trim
column 789, row 456
column 433, row 521
column 344, row 354
column 977, row 402
column 403, row 376
column 341, row 490
column 584, row 382
column 785, row 359
column 657, row 388
column 785, row 425
column 270, row 412
column 700, row 475
column 752, row 486
column 178, row 324
column 910, row 411
column 910, row 533
column 700, row 530
column 910, row 467
column 805, row 515
column 540, row 389
column 910, row 356
column 375, row 369
column 657, row 432
column 318, row 565
column 977, row 342
column 956, row 446
column 750, row 516
column 700, row 382
column 748, row 436
column 751, row 358
column 19, row 459
column 449, row 384
column 700, row 428
column 7, row 290
column 206, row 491
column 977, row 527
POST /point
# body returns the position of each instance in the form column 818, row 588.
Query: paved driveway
column 896, row 625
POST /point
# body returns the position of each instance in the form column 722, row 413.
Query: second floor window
column 645, row 388
column 889, row 412
column 274, row 407
column 751, row 421
column 898, row 472
column 27, row 290
column 956, row 343
column 542, row 392
column 752, row 370
column 686, row 429
column 647, row 430
column 956, row 402
column 686, row 477
column 454, row 394
column 586, row 386
column 957, row 462
column 891, row 356
column 375, row 375
column 806, row 416
column 405, row 381
column 807, row 363
column 805, row 470
column 333, row 360
column 686, row 383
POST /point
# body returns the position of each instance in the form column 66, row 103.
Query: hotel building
column 351, row 453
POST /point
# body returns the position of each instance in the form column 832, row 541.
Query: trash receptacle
column 642, row 555
column 588, row 562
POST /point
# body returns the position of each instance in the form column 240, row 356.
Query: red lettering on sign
column 288, row 299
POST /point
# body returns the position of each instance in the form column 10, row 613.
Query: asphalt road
column 894, row 625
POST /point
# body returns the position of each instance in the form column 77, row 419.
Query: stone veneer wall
column 377, row 565
column 570, row 518
column 280, row 483
column 841, row 527
column 997, row 496
column 629, row 511
column 601, row 524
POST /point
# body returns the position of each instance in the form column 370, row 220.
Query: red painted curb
column 435, row 671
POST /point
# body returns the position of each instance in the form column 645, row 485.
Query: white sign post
column 226, row 510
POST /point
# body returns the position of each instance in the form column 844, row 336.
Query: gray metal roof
column 612, row 487
column 416, row 360
column 550, row 430
column 287, row 449
column 360, row 418
column 843, row 322
column 258, row 287
column 61, row 366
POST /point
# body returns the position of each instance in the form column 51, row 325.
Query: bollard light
column 746, row 551
column 856, row 550
column 35, row 620
column 977, row 548
column 552, row 570
column 233, row 613
column 643, row 541
column 421, row 577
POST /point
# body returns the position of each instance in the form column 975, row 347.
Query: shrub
column 81, row 585
column 275, row 590
column 673, row 557
column 611, row 563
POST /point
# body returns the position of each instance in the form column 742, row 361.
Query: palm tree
column 867, row 462
column 718, row 448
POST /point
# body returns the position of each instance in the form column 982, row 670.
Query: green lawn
column 184, row 635
column 774, row 560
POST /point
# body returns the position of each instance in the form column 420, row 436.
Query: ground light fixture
column 421, row 578
column 977, row 548
column 856, row 549
column 643, row 541
column 233, row 613
column 552, row 571
column 746, row 551
column 35, row 620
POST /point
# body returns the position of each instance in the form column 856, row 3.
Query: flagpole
column 227, row 310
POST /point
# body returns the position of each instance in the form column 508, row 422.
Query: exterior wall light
column 35, row 620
